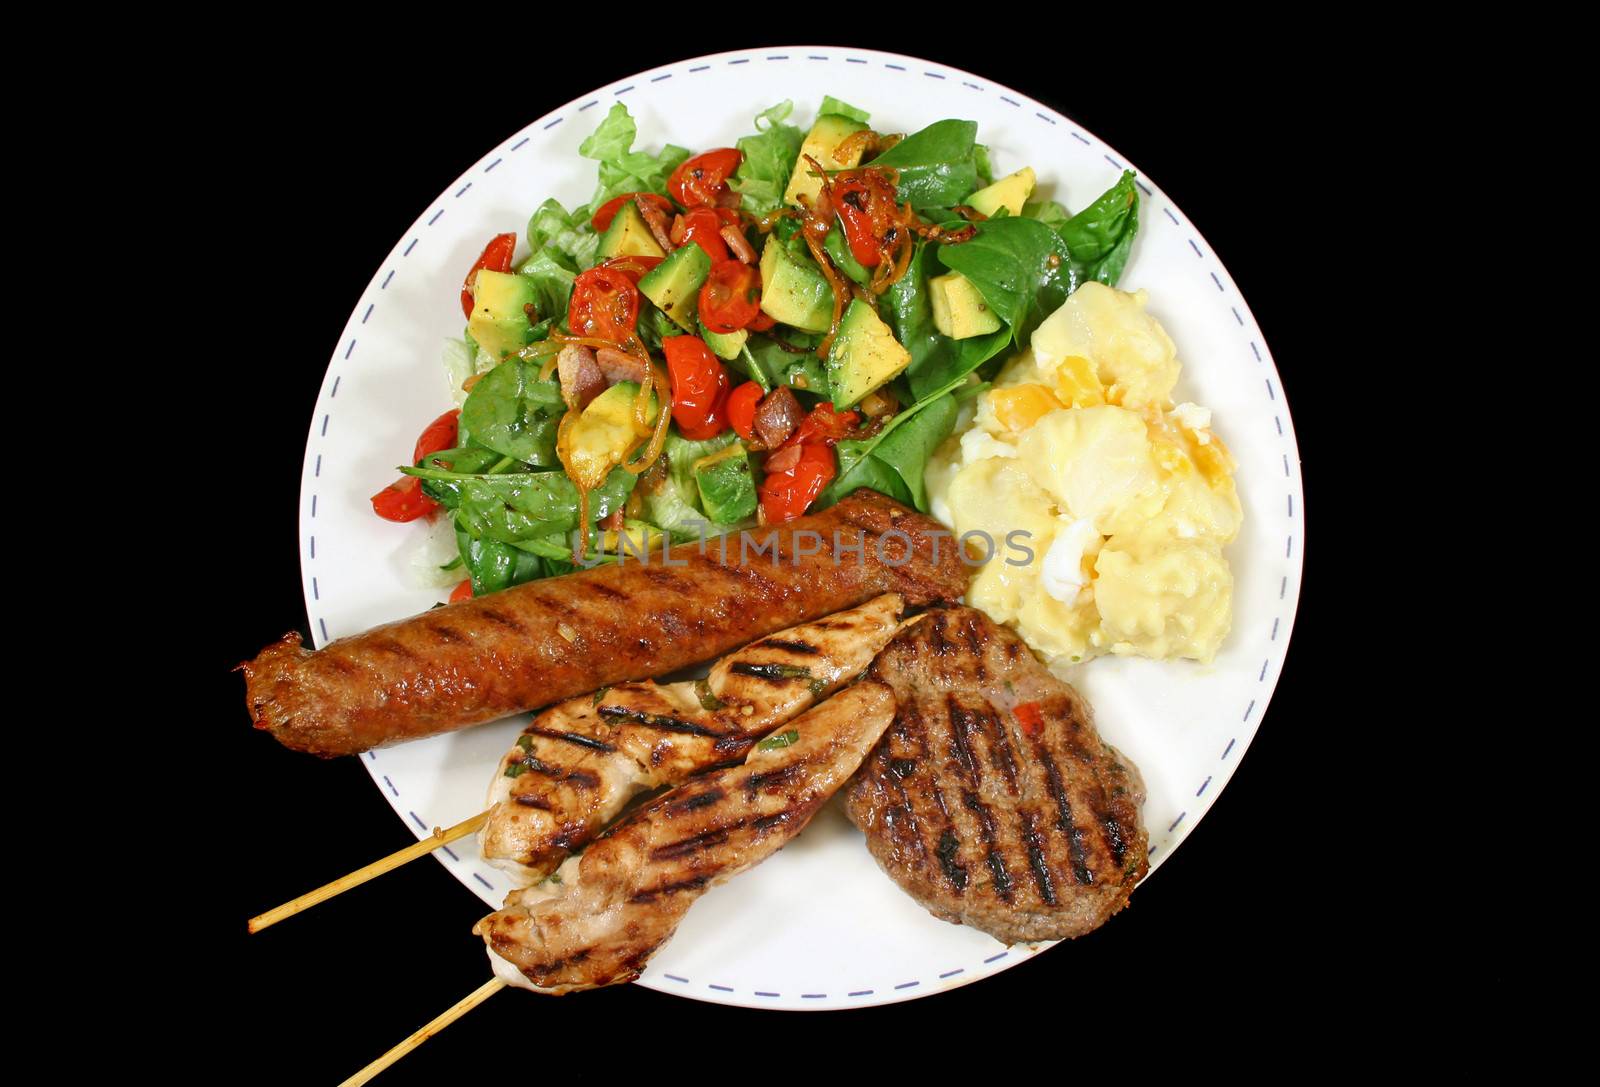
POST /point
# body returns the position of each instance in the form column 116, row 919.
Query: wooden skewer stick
column 376, row 868
column 450, row 1015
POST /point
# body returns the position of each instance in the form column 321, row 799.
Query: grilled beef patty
column 991, row 800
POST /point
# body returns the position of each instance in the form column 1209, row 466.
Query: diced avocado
column 1010, row 192
column 828, row 133
column 629, row 236
column 636, row 540
column 725, row 345
column 503, row 312
column 863, row 356
column 674, row 285
column 959, row 310
column 838, row 251
column 603, row 434
column 793, row 289
column 727, row 487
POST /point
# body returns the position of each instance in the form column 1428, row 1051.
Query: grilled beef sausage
column 544, row 641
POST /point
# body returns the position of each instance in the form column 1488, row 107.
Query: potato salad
column 1127, row 500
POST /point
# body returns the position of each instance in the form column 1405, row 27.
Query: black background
column 344, row 151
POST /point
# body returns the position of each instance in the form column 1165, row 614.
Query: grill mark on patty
column 1064, row 820
column 949, row 850
column 1114, row 836
column 939, row 644
column 767, row 822
column 996, row 863
column 658, row 721
column 1004, row 758
column 960, row 741
column 446, row 633
column 571, row 738
column 1037, row 861
column 650, row 894
column 501, row 619
column 805, row 649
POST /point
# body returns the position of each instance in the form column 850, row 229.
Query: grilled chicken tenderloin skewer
column 624, row 896
column 578, row 763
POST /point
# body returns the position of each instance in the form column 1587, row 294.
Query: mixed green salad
column 736, row 337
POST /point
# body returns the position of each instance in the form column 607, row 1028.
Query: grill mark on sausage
column 650, row 894
column 532, row 801
column 662, row 579
column 394, row 648
column 768, row 822
column 803, row 648
column 772, row 672
column 582, row 779
column 658, row 721
column 1064, row 820
column 501, row 619
column 571, row 738
column 996, row 863
column 446, row 633
column 1037, row 861
column 600, row 589
column 705, row 799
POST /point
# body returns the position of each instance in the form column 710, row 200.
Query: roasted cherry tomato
column 850, row 197
column 699, row 387
column 608, row 210
column 461, row 592
column 1029, row 717
column 730, row 298
column 703, row 227
column 634, row 267
column 741, row 409
column 437, row 435
column 403, row 500
column 785, row 495
column 824, row 426
column 703, row 180
column 496, row 257
column 763, row 321
column 605, row 303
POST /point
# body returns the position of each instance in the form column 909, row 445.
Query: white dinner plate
column 819, row 925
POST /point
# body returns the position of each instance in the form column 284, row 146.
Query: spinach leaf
column 802, row 372
column 830, row 104
column 838, row 251
column 465, row 459
column 938, row 167
column 746, row 364
column 493, row 565
column 517, row 507
column 980, row 160
column 515, row 414
column 1100, row 237
column 570, row 235
column 769, row 158
column 936, row 360
column 621, row 168
column 893, row 461
column 1020, row 266
column 1048, row 212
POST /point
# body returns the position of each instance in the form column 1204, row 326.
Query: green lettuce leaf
column 830, row 104
column 769, row 158
column 621, row 168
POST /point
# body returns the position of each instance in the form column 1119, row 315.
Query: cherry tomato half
column 785, row 495
column 496, row 257
column 730, row 298
column 437, row 435
column 605, row 303
column 850, row 197
column 403, row 500
column 824, row 426
column 703, row 227
column 608, row 210
column 702, row 180
column 741, row 409
column 461, row 592
column 762, row 322
column 699, row 387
